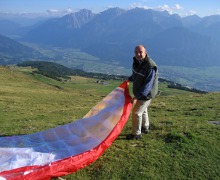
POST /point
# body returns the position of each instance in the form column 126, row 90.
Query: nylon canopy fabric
column 65, row 149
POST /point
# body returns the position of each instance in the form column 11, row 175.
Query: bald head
column 140, row 52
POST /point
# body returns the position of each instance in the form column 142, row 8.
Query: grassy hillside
column 182, row 143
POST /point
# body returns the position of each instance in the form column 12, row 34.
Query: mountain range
column 111, row 35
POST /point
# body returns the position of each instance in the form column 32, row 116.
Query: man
column 145, row 87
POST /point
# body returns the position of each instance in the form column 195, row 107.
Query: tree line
column 60, row 73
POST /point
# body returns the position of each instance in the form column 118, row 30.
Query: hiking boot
column 145, row 130
column 133, row 137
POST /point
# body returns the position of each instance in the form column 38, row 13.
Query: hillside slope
column 182, row 144
column 12, row 52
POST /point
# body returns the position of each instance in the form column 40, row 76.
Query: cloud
column 52, row 11
column 170, row 9
column 165, row 7
column 57, row 12
column 192, row 12
column 48, row 13
column 177, row 7
column 138, row 5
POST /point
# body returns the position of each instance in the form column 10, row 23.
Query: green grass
column 181, row 143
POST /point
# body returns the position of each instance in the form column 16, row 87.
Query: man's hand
column 134, row 99
column 127, row 82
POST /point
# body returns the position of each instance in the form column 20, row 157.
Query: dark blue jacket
column 145, row 78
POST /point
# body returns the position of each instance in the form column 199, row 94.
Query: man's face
column 140, row 53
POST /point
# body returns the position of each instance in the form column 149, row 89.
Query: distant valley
column 187, row 50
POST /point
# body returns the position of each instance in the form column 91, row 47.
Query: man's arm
column 146, row 88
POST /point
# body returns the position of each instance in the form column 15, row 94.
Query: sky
column 60, row 7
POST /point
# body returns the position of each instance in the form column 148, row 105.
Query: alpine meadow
column 183, row 142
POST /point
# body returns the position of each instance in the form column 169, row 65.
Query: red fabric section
column 73, row 163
